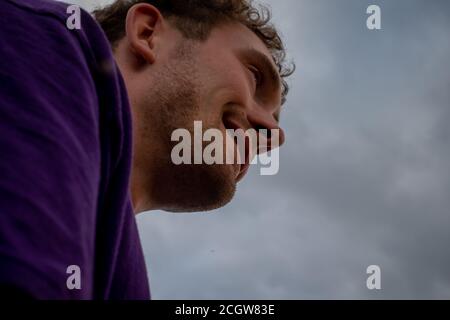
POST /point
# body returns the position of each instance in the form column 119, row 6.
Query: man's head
column 215, row 61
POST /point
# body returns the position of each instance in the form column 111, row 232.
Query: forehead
column 238, row 37
column 244, row 44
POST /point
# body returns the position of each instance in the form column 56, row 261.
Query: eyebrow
column 266, row 64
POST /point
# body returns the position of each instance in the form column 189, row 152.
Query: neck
column 140, row 192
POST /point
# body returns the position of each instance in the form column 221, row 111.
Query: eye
column 257, row 76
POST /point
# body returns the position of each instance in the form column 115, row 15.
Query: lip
column 243, row 171
column 243, row 168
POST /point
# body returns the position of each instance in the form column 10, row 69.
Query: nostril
column 267, row 133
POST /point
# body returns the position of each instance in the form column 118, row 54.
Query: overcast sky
column 364, row 176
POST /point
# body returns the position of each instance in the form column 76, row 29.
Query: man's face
column 228, row 81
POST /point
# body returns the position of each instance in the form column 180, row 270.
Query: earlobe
column 142, row 24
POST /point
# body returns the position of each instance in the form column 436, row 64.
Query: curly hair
column 196, row 18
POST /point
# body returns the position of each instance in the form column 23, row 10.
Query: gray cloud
column 364, row 175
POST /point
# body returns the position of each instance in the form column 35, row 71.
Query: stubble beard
column 176, row 96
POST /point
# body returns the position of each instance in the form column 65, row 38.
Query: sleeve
column 49, row 158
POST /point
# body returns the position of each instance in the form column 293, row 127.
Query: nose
column 261, row 119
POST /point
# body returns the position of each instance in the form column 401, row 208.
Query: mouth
column 241, row 168
column 246, row 165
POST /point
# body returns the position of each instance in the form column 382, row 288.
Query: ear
column 142, row 26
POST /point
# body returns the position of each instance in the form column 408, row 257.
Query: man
column 85, row 145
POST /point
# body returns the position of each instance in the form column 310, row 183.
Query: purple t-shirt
column 65, row 159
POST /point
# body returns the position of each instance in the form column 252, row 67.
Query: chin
column 194, row 188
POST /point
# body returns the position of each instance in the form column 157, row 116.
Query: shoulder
column 34, row 14
column 50, row 24
column 54, row 8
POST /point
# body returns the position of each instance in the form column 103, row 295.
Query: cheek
column 239, row 87
column 231, row 86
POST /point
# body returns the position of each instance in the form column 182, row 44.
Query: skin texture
column 172, row 81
